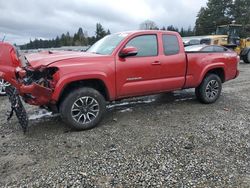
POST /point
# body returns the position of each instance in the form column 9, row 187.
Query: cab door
column 173, row 63
column 137, row 75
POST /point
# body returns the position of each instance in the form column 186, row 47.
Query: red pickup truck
column 121, row 65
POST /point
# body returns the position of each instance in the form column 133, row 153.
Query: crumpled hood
column 46, row 58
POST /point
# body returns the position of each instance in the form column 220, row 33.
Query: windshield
column 222, row 30
column 234, row 31
column 106, row 45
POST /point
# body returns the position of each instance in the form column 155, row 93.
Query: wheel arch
column 218, row 70
column 97, row 84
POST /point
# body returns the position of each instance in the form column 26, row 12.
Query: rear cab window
column 146, row 45
column 170, row 44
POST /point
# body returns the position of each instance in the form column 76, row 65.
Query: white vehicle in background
column 3, row 85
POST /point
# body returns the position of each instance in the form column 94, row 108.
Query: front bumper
column 35, row 94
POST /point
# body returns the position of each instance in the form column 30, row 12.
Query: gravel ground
column 166, row 140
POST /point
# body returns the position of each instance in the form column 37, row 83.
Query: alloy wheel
column 85, row 109
column 212, row 89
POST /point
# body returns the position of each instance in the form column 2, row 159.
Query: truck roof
column 147, row 31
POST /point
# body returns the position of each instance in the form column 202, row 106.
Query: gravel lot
column 166, row 140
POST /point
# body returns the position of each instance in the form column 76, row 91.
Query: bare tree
column 148, row 25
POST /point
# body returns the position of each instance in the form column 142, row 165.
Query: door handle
column 156, row 63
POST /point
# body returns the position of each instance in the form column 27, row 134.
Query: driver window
column 145, row 44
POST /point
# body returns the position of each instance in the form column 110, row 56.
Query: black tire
column 209, row 90
column 78, row 111
column 246, row 58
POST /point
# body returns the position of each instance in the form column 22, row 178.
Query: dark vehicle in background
column 206, row 48
column 228, row 36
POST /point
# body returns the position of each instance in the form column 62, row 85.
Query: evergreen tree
column 108, row 32
column 190, row 31
column 68, row 39
column 80, row 38
column 57, row 42
column 163, row 28
column 172, row 28
column 91, row 40
column 100, row 32
column 63, row 40
column 214, row 14
column 182, row 32
column 240, row 12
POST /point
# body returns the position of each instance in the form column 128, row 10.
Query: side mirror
column 128, row 51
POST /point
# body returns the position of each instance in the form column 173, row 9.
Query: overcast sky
column 22, row 20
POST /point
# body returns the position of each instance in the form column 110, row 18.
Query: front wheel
column 83, row 108
column 210, row 89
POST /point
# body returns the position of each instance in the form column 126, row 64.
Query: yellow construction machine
column 229, row 36
column 226, row 35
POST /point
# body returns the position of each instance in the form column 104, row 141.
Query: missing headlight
column 42, row 76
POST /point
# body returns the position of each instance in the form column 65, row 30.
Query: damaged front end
column 34, row 85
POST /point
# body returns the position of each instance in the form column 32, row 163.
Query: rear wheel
column 210, row 89
column 83, row 108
